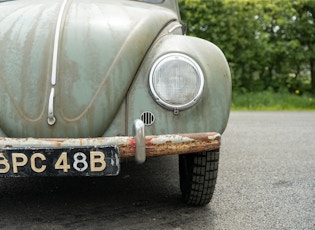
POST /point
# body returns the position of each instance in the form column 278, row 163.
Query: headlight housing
column 176, row 81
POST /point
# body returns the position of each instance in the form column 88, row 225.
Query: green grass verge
column 269, row 101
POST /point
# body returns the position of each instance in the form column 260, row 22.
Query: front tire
column 198, row 174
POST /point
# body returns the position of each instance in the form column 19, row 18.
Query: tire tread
column 199, row 179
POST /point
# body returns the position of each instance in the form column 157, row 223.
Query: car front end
column 84, row 84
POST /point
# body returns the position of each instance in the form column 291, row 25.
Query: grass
column 270, row 101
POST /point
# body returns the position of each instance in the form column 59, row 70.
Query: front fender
column 211, row 113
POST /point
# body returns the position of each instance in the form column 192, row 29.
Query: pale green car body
column 106, row 51
column 78, row 73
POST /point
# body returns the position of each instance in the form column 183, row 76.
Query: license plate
column 63, row 161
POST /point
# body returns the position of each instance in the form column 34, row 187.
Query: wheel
column 198, row 175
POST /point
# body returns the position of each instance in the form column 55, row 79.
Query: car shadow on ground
column 145, row 196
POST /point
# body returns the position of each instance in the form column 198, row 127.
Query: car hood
column 83, row 73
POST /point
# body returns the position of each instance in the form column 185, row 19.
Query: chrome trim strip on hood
column 51, row 118
column 56, row 43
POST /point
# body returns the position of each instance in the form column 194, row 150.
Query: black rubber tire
column 198, row 174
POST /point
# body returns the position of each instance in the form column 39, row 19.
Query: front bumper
column 138, row 146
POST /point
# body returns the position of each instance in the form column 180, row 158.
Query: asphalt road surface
column 266, row 181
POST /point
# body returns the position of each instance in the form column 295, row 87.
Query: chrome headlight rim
column 183, row 57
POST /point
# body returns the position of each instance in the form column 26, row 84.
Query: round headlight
column 176, row 81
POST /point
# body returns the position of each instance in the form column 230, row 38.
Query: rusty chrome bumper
column 138, row 146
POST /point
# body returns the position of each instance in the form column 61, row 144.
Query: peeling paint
column 170, row 138
column 154, row 145
column 213, row 137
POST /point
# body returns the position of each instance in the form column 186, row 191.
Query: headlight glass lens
column 176, row 81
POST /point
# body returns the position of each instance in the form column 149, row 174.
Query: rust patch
column 155, row 145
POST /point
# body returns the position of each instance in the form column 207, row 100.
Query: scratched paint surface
column 101, row 46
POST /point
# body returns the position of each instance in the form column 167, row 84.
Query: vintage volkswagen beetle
column 85, row 84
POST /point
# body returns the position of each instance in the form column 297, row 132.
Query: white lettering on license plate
column 96, row 164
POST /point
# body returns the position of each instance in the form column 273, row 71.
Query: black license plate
column 63, row 161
